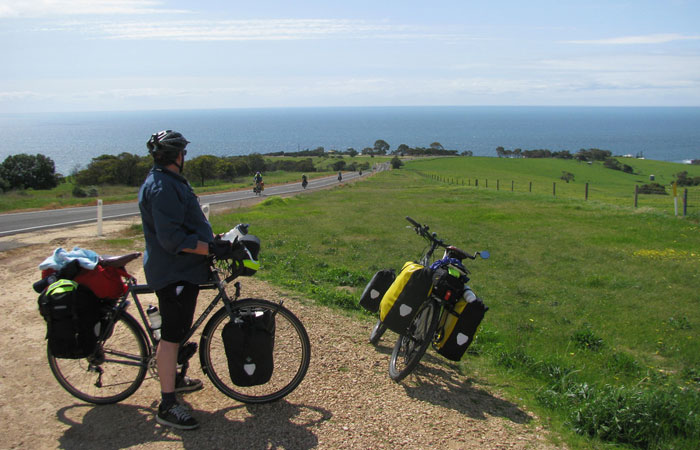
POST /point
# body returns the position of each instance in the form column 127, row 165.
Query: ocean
column 71, row 140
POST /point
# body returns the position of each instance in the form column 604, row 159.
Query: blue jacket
column 172, row 220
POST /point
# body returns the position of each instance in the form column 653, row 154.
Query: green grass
column 594, row 307
column 538, row 176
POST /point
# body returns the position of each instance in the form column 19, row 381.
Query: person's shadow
column 277, row 425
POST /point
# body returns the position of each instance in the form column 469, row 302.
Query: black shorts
column 177, row 303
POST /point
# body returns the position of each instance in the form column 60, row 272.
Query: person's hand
column 221, row 249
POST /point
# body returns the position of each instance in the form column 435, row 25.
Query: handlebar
column 435, row 242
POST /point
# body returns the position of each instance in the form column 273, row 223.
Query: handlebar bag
column 376, row 288
column 72, row 315
column 448, row 283
column 249, row 341
column 458, row 328
column 407, row 292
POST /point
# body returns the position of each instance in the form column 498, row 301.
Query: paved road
column 14, row 223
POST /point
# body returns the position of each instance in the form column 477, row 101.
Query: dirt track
column 347, row 400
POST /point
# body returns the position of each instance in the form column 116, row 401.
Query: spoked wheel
column 377, row 332
column 111, row 374
column 291, row 355
column 411, row 346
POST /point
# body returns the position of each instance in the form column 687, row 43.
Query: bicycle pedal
column 186, row 352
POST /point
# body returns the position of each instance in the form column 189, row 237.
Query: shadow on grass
column 438, row 381
column 277, row 425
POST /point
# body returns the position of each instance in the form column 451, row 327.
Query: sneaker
column 187, row 384
column 177, row 416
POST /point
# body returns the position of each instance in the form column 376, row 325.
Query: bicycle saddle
column 118, row 261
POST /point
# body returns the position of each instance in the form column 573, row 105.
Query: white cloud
column 43, row 8
column 636, row 40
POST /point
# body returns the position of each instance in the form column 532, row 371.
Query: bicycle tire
column 113, row 372
column 378, row 331
column 292, row 354
column 412, row 345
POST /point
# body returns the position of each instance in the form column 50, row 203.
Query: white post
column 99, row 217
column 675, row 198
column 205, row 210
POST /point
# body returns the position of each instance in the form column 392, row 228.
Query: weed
column 587, row 340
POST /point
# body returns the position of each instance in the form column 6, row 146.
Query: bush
column 652, row 188
column 82, row 192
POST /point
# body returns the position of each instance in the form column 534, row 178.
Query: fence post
column 512, row 185
column 530, row 186
column 636, row 194
column 487, row 183
column 554, row 189
column 99, row 217
column 498, row 185
column 685, row 201
column 205, row 209
column 675, row 198
column 476, row 182
column 586, row 191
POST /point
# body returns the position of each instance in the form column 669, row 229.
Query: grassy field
column 594, row 305
column 539, row 176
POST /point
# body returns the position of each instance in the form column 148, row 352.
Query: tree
column 396, row 163
column 467, row 153
column 567, row 176
column 381, row 147
column 202, row 167
column 24, row 171
column 403, row 149
column 338, row 165
column 500, row 151
column 437, row 146
column 352, row 152
column 256, row 162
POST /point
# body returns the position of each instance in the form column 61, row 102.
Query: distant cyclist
column 258, row 180
column 340, row 177
column 304, row 181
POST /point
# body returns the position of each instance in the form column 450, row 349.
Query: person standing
column 179, row 240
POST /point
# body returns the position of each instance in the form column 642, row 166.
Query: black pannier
column 249, row 341
column 72, row 315
column 458, row 328
column 376, row 288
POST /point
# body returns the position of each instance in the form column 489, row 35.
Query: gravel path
column 347, row 400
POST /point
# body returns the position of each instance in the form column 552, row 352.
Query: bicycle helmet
column 166, row 145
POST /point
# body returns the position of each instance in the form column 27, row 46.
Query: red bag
column 104, row 282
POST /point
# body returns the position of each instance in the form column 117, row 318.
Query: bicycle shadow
column 439, row 382
column 112, row 427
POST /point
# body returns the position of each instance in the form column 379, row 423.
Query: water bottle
column 468, row 295
column 156, row 322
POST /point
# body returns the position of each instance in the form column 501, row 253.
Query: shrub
column 652, row 188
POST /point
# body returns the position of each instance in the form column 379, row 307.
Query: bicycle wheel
column 113, row 372
column 412, row 344
column 377, row 332
column 292, row 353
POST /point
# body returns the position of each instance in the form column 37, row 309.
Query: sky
column 122, row 55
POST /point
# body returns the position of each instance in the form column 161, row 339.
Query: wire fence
column 686, row 203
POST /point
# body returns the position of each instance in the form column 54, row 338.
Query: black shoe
column 177, row 416
column 187, row 384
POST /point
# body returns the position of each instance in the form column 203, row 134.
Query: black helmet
column 165, row 145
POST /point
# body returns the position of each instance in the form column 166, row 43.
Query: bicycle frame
column 135, row 289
